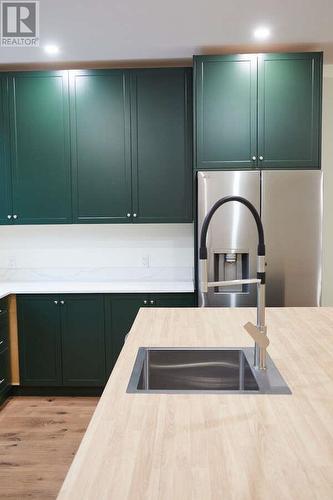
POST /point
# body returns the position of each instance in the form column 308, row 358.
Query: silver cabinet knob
column 261, row 158
column 1, row 342
column 62, row 302
column 56, row 302
column 134, row 215
column 145, row 302
column 0, row 310
column 14, row 216
column 254, row 158
column 128, row 215
column 152, row 302
column 2, row 381
column 9, row 216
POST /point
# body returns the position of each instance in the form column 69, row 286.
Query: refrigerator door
column 292, row 218
column 232, row 235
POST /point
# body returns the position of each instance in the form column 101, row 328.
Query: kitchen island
column 210, row 446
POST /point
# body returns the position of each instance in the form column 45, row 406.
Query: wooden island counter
column 209, row 446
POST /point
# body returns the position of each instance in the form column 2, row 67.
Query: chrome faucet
column 258, row 332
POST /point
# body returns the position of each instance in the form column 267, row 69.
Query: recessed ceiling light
column 51, row 49
column 262, row 33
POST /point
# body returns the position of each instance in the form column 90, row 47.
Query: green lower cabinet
column 83, row 343
column 74, row 340
column 61, row 340
column 4, row 352
column 4, row 374
column 3, row 305
column 174, row 300
column 121, row 311
column 4, row 327
column 39, row 328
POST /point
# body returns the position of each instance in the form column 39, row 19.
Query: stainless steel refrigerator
column 290, row 205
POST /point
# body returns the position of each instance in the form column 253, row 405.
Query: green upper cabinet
column 225, row 111
column 289, row 107
column 100, row 126
column 83, row 343
column 96, row 146
column 161, row 109
column 258, row 111
column 40, row 154
column 5, row 173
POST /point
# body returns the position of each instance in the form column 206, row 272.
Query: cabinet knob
column 254, row 158
column 14, row 216
column 62, row 302
column 9, row 216
column 261, row 158
column 134, row 215
column 2, row 381
column 145, row 302
column 152, row 302
column 56, row 302
column 128, row 215
column 1, row 342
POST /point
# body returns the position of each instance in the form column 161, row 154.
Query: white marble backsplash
column 140, row 252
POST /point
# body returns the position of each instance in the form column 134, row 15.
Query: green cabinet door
column 83, row 343
column 289, row 102
column 4, row 330
column 225, row 111
column 5, row 172
column 39, row 340
column 173, row 299
column 4, row 374
column 4, row 352
column 161, row 145
column 121, row 311
column 100, row 131
column 39, row 115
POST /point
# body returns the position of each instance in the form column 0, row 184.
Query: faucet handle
column 258, row 336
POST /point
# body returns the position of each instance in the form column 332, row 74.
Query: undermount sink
column 203, row 370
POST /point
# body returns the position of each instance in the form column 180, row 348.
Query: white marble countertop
column 18, row 287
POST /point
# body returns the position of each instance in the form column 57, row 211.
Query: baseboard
column 56, row 391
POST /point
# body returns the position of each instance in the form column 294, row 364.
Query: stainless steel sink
column 203, row 370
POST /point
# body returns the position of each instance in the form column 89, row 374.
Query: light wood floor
column 38, row 438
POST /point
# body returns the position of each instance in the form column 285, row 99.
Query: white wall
column 327, row 162
column 97, row 252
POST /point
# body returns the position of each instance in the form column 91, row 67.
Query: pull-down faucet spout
column 259, row 332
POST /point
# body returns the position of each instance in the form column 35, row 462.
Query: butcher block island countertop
column 181, row 446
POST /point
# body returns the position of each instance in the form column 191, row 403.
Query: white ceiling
column 126, row 31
